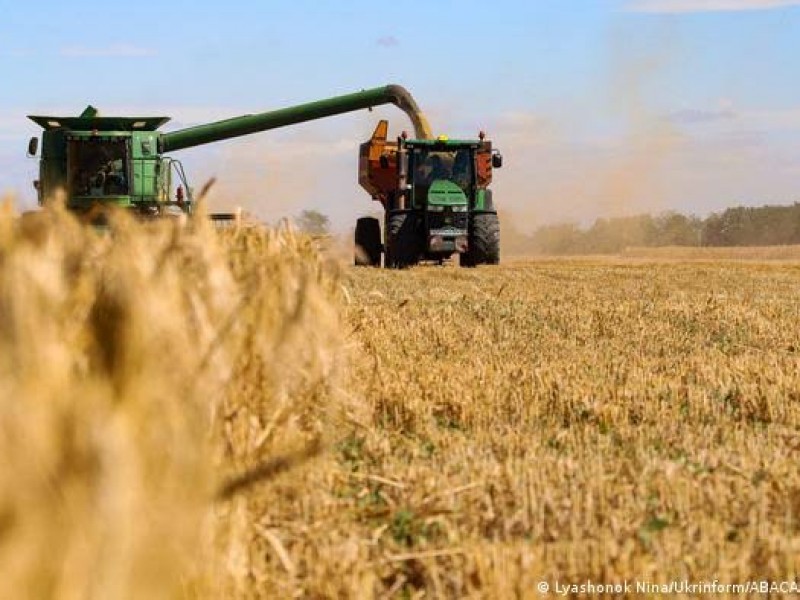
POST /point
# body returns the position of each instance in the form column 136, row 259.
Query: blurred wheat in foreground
column 177, row 419
column 149, row 375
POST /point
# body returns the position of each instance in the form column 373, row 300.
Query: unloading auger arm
column 248, row 124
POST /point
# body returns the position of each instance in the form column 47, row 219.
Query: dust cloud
column 629, row 146
column 609, row 156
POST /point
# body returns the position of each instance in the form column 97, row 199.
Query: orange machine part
column 484, row 159
column 377, row 164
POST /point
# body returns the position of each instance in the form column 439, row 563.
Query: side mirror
column 33, row 146
column 497, row 160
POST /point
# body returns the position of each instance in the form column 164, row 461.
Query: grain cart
column 101, row 161
column 435, row 197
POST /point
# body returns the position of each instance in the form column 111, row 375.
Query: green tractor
column 436, row 201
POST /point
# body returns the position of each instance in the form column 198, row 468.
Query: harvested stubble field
column 189, row 417
column 574, row 420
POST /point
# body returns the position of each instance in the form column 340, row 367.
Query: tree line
column 740, row 226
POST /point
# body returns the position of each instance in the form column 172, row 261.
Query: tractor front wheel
column 484, row 241
column 368, row 242
column 402, row 240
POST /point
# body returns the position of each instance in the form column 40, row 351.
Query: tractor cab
column 436, row 197
column 444, row 184
column 441, row 179
column 428, row 165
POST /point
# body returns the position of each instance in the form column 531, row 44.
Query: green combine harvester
column 98, row 161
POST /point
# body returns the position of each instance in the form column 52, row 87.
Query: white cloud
column 114, row 50
column 688, row 6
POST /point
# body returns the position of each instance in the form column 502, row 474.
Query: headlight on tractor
column 460, row 208
column 436, row 242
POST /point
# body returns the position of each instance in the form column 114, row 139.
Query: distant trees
column 613, row 235
column 762, row 226
column 313, row 222
column 741, row 226
column 674, row 229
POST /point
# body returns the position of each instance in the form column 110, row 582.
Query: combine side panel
column 144, row 178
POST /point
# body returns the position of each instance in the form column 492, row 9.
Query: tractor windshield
column 453, row 165
column 98, row 167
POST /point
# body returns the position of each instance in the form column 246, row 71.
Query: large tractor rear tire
column 402, row 240
column 368, row 242
column 484, row 241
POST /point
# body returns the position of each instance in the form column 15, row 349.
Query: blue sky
column 600, row 108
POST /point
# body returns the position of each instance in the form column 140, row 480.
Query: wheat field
column 188, row 414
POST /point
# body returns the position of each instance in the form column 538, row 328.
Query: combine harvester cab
column 435, row 196
column 97, row 162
